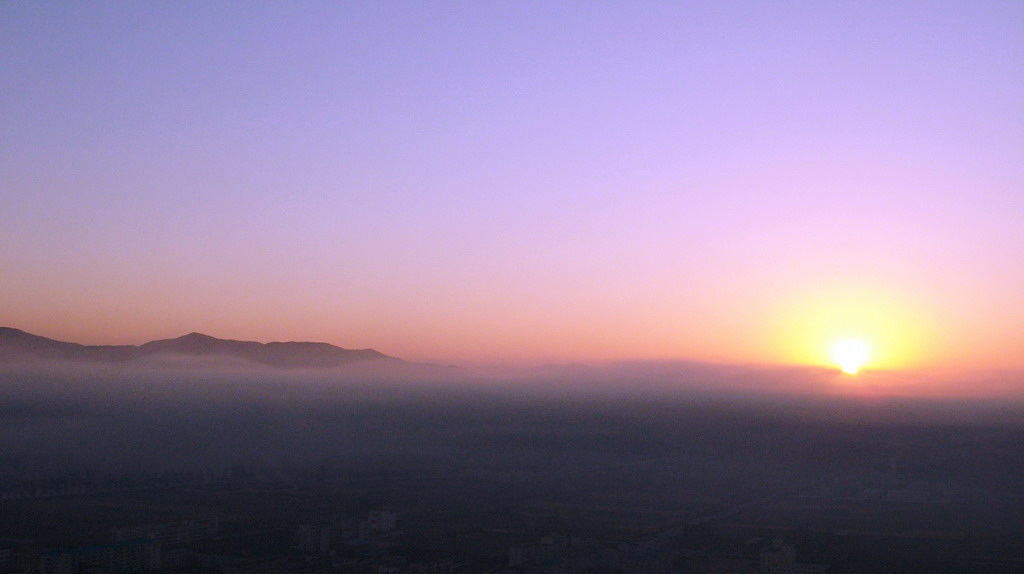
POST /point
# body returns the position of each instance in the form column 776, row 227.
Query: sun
column 850, row 354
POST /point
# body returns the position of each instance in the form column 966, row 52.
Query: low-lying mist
column 179, row 415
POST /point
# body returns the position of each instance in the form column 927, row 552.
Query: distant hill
column 17, row 346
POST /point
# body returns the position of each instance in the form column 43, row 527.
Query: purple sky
column 520, row 181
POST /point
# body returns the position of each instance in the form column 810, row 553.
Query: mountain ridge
column 16, row 344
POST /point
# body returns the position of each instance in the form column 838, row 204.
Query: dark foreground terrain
column 219, row 473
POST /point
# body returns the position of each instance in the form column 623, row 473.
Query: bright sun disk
column 850, row 354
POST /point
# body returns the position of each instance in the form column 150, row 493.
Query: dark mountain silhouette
column 16, row 344
column 290, row 354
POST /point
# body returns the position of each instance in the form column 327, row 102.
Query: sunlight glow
column 897, row 330
column 850, row 354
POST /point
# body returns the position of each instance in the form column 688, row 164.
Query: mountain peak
column 196, row 336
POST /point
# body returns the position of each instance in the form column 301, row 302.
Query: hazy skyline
column 520, row 182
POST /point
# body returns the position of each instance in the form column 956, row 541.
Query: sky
column 520, row 182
